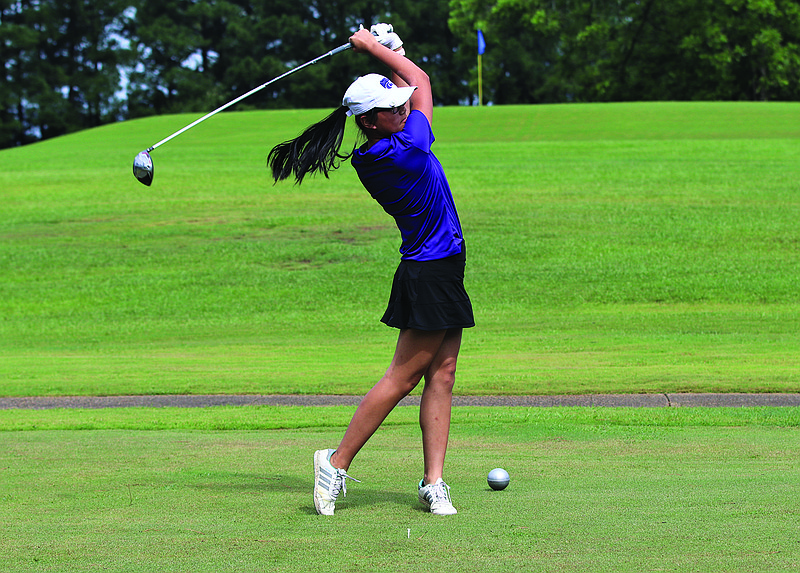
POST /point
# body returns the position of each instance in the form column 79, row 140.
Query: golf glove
column 381, row 29
column 386, row 36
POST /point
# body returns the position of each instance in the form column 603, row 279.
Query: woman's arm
column 365, row 43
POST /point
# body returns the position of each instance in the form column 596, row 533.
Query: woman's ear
column 365, row 122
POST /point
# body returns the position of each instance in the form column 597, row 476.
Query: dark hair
column 316, row 150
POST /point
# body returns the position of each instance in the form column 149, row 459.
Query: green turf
column 616, row 490
column 612, row 248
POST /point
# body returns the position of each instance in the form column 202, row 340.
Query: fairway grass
column 616, row 490
column 618, row 248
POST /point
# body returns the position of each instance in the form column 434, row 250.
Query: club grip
column 341, row 48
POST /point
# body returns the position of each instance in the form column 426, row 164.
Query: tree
column 61, row 63
column 81, row 59
column 523, row 38
column 17, row 52
column 614, row 50
column 750, row 49
column 195, row 55
column 165, row 35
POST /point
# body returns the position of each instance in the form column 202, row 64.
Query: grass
column 612, row 248
column 224, row 489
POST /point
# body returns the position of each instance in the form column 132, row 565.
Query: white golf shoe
column 328, row 482
column 437, row 497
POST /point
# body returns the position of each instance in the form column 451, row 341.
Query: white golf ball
column 498, row 479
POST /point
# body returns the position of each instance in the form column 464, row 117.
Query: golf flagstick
column 143, row 163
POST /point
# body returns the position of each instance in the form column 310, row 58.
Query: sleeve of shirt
column 419, row 132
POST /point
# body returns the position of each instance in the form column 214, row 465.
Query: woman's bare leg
column 437, row 400
column 413, row 356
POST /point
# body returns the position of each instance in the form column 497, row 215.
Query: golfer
column 428, row 303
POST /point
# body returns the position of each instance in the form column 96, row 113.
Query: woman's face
column 383, row 122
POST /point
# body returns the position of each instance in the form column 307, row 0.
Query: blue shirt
column 402, row 174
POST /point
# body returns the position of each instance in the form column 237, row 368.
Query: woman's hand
column 363, row 40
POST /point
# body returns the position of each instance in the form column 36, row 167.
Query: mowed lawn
column 229, row 489
column 648, row 247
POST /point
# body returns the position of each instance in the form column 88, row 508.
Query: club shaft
column 341, row 48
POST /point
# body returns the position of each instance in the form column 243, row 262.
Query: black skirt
column 430, row 295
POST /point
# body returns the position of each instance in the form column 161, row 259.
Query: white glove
column 381, row 29
column 386, row 36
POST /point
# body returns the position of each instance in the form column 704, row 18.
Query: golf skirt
column 430, row 295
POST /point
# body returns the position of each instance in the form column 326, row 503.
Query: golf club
column 143, row 163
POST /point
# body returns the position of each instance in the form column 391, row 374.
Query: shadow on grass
column 379, row 497
column 293, row 486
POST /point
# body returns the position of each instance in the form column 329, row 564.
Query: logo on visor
column 387, row 84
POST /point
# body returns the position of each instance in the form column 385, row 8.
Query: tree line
column 74, row 64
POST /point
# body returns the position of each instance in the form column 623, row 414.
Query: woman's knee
column 403, row 382
column 443, row 378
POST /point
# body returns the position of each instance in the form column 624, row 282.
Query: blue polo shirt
column 402, row 174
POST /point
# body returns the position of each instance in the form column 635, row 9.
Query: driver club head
column 143, row 168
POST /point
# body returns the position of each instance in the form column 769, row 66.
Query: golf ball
column 498, row 479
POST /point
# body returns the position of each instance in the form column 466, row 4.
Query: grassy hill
column 648, row 247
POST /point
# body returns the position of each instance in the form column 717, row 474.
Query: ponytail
column 316, row 150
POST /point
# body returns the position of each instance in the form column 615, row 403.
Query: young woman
column 428, row 302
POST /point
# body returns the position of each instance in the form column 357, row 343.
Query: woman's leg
column 437, row 399
column 415, row 352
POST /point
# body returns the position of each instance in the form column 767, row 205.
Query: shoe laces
column 340, row 483
column 440, row 491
